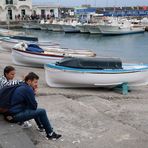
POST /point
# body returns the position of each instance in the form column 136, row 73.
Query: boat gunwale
column 9, row 40
column 104, row 71
column 40, row 54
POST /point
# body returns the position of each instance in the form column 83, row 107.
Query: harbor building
column 45, row 11
column 12, row 9
column 113, row 11
column 18, row 10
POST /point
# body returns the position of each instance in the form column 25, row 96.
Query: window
column 9, row 2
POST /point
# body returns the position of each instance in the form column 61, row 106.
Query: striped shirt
column 5, row 82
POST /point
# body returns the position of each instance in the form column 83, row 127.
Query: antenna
column 58, row 1
column 86, row 2
column 95, row 3
column 106, row 3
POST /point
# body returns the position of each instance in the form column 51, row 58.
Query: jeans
column 39, row 115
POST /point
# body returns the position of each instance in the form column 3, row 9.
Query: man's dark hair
column 8, row 69
column 31, row 76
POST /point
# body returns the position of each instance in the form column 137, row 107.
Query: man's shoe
column 53, row 136
column 26, row 124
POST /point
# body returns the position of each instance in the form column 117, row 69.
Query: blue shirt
column 23, row 98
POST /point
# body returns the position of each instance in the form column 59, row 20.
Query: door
column 9, row 14
column 43, row 14
column 23, row 12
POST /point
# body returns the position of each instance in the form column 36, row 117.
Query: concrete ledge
column 12, row 136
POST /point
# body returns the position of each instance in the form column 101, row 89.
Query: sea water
column 130, row 48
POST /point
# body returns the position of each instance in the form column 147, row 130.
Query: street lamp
column 8, row 19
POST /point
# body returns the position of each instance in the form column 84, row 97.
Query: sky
column 99, row 3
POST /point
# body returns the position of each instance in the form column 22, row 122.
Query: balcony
column 10, row 4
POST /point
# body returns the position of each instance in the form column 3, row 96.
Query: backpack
column 5, row 97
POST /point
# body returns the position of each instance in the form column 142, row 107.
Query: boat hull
column 57, row 28
column 83, row 28
column 116, row 30
column 57, row 77
column 94, row 29
column 43, row 26
column 32, row 59
column 49, row 27
column 32, row 26
column 70, row 29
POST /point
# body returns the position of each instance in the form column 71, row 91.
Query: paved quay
column 12, row 136
column 85, row 117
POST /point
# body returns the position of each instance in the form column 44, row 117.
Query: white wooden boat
column 7, row 32
column 64, row 76
column 120, row 28
column 26, row 58
column 116, row 30
column 70, row 52
column 57, row 50
column 17, row 35
column 37, row 59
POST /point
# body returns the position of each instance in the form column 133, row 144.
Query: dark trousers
column 39, row 115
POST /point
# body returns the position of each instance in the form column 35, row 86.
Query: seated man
column 24, row 106
column 7, row 80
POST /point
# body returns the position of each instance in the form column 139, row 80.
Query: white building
column 9, row 9
column 46, row 10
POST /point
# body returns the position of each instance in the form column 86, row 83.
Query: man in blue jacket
column 7, row 79
column 23, row 106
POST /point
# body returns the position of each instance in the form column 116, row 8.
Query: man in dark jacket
column 24, row 106
column 8, row 80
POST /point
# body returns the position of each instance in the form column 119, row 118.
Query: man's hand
column 35, row 89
